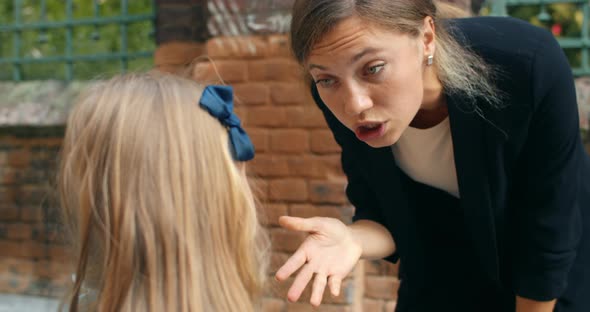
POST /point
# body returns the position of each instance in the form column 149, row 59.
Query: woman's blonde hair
column 161, row 217
column 459, row 70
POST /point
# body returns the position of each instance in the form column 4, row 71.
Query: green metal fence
column 74, row 39
column 554, row 14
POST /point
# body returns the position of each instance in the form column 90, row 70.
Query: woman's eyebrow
column 359, row 55
column 353, row 60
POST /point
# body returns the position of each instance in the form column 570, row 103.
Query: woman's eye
column 325, row 83
column 375, row 69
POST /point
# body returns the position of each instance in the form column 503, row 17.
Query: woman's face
column 371, row 79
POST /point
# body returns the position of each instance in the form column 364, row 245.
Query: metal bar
column 123, row 26
column 536, row 2
column 586, row 11
column 80, row 22
column 69, row 42
column 499, row 8
column 573, row 43
column 16, row 68
column 78, row 58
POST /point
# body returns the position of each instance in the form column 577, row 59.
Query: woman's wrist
column 356, row 241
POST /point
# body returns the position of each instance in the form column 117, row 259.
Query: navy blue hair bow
column 219, row 102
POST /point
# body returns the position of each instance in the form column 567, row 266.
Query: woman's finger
column 293, row 264
column 299, row 283
column 334, row 283
column 299, row 224
column 317, row 292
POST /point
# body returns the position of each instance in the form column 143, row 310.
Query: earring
column 430, row 60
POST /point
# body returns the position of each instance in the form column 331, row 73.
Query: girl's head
column 161, row 216
column 377, row 62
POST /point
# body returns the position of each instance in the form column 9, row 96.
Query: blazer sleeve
column 548, row 226
column 358, row 190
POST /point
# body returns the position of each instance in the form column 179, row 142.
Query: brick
column 272, row 212
column 381, row 287
column 268, row 166
column 17, row 266
column 252, row 93
column 323, row 142
column 277, row 260
column 242, row 47
column 242, row 113
column 203, row 72
column 8, row 195
column 52, row 269
column 177, row 53
column 285, row 240
column 260, row 138
column 275, row 69
column 304, row 166
column 390, row 305
column 327, row 192
column 266, row 117
column 272, row 305
column 259, row 188
column 289, row 141
column 307, row 116
column 59, row 253
column 289, row 94
column 278, row 46
column 229, row 71
column 31, row 213
column 27, row 249
column 19, row 158
column 308, row 211
column 9, row 212
column 48, row 233
column 33, row 194
column 291, row 190
column 306, row 307
column 18, row 231
column 381, row 267
column 374, row 305
column 9, row 176
column 14, row 283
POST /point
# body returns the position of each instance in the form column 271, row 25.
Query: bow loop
column 219, row 102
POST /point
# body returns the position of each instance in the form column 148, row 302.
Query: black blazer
column 523, row 174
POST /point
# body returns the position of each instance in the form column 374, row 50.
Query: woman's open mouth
column 370, row 131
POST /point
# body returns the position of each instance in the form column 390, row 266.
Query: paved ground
column 16, row 303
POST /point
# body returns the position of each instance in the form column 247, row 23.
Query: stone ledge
column 37, row 103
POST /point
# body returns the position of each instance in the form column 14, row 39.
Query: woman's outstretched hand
column 329, row 252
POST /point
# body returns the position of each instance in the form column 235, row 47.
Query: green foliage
column 86, row 40
column 562, row 19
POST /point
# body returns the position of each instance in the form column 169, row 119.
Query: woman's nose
column 356, row 101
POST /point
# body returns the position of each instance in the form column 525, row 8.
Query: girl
column 159, row 209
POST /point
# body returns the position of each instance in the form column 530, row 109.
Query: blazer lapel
column 469, row 146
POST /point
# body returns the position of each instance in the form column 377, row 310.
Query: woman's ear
column 428, row 36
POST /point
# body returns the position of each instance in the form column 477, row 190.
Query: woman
column 154, row 193
column 461, row 146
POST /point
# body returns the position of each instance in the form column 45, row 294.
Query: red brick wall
column 31, row 255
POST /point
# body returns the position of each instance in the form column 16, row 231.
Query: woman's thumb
column 298, row 224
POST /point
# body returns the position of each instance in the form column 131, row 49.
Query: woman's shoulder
column 499, row 37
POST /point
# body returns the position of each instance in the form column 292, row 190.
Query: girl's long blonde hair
column 161, row 217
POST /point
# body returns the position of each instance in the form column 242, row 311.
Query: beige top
column 426, row 156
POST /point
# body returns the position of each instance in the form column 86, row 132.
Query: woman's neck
column 434, row 105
